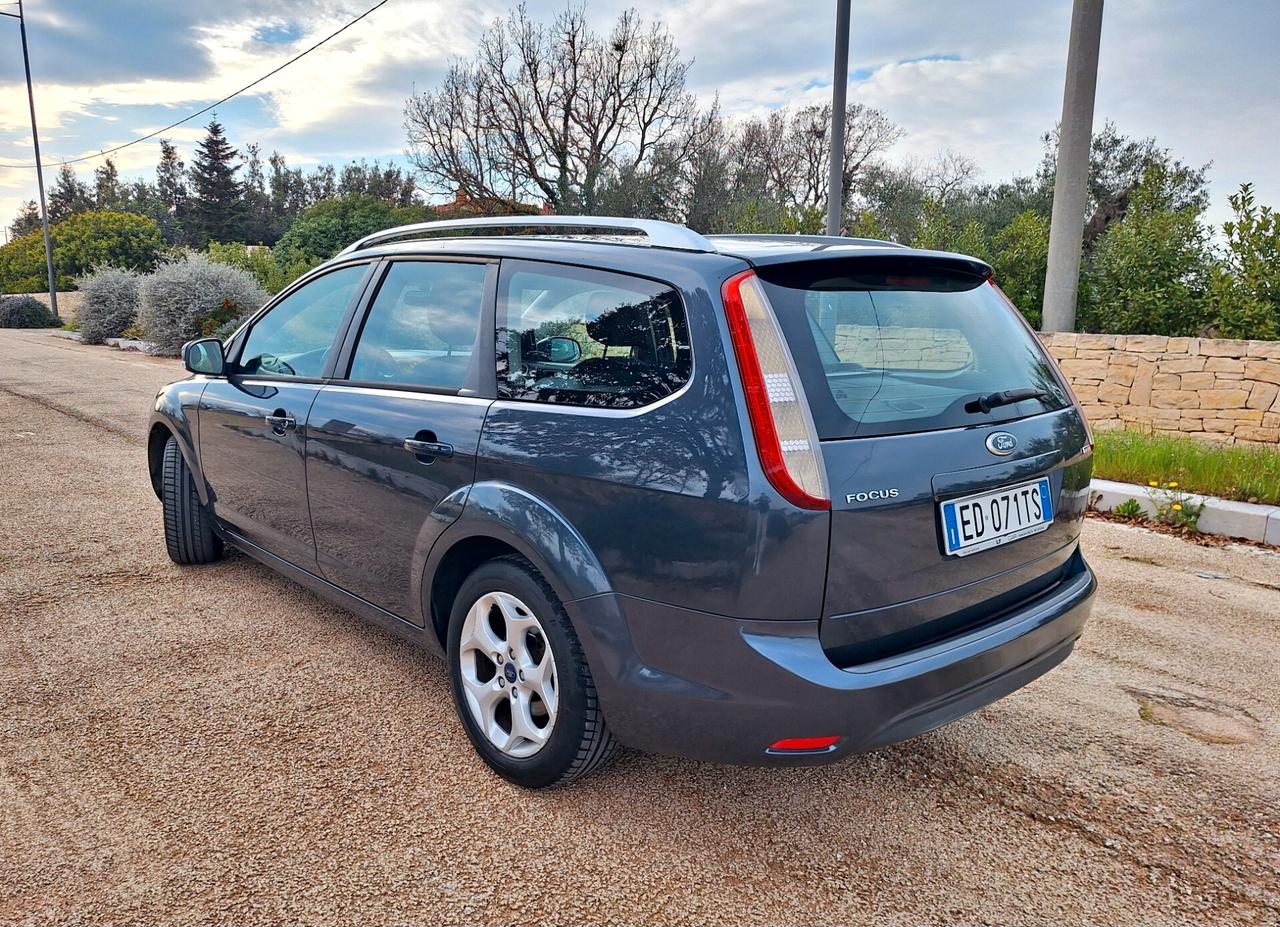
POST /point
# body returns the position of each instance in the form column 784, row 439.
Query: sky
column 981, row 77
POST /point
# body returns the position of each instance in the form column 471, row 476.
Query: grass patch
column 1244, row 473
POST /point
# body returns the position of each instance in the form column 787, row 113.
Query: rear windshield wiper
column 1006, row 397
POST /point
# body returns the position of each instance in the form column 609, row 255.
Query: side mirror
column 204, row 355
column 561, row 349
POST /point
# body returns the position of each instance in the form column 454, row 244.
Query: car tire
column 188, row 526
column 505, row 623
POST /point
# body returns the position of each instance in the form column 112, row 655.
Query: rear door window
column 422, row 327
column 588, row 338
column 895, row 351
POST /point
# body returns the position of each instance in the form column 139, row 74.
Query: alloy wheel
column 508, row 674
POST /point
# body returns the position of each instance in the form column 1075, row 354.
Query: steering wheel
column 269, row 363
column 374, row 362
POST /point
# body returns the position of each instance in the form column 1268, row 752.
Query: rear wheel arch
column 457, row 563
column 500, row 520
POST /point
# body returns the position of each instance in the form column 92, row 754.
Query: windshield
column 904, row 349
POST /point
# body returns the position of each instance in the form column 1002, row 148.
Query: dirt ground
column 215, row 745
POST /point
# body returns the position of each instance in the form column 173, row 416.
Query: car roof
column 634, row 253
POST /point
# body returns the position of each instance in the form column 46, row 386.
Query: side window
column 589, row 338
column 294, row 338
column 422, row 327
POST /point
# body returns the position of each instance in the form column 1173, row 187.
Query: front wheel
column 188, row 526
column 520, row 683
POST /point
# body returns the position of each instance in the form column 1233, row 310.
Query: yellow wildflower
column 1152, row 483
column 1177, row 507
column 1173, row 485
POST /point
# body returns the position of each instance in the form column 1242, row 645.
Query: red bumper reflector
column 803, row 743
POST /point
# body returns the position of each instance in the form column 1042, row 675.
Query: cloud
column 983, row 78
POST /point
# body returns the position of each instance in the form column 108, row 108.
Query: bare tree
column 552, row 112
column 948, row 174
column 790, row 151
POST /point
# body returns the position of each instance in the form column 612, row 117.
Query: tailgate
column 956, row 459
column 891, row 585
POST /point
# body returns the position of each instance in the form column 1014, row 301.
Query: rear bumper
column 687, row 683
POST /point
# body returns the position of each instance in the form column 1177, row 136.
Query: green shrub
column 224, row 331
column 260, row 261
column 109, row 304
column 80, row 243
column 25, row 312
column 1020, row 256
column 1149, row 274
column 193, row 297
column 1244, row 290
column 330, row 225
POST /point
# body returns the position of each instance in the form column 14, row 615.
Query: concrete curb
column 123, row 344
column 130, row 344
column 1220, row 516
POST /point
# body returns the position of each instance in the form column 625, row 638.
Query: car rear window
column 896, row 349
column 573, row 336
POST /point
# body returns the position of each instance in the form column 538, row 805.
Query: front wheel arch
column 157, row 438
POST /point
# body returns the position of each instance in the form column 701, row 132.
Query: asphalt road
column 215, row 745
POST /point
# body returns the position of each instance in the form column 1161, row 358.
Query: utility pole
column 839, row 90
column 1071, row 183
column 35, row 138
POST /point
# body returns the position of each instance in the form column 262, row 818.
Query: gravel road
column 215, row 745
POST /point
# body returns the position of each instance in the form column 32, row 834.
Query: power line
column 213, row 105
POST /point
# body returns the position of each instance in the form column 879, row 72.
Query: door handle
column 428, row 451
column 280, row 421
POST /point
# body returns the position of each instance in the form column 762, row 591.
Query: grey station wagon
column 752, row 499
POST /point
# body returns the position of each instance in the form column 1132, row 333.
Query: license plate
column 989, row 519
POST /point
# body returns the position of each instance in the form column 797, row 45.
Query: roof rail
column 815, row 239
column 660, row 234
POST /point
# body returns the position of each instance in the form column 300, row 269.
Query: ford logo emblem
column 1001, row 443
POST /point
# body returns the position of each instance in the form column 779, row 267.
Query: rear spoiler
column 807, row 269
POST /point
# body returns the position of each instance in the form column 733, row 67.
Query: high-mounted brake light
column 802, row 744
column 784, row 434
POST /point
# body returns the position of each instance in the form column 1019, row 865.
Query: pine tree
column 106, row 186
column 259, row 223
column 217, row 207
column 171, row 190
column 28, row 220
column 68, row 196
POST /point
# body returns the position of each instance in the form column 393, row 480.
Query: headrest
column 623, row 326
column 455, row 322
column 452, row 311
column 415, row 297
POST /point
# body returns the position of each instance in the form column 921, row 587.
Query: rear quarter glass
column 897, row 346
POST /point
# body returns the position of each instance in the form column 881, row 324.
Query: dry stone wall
column 1208, row 388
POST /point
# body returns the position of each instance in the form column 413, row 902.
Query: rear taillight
column 785, row 437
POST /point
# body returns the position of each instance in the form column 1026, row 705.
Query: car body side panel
column 377, row 508
column 257, row 473
column 670, row 497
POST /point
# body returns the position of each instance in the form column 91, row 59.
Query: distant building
column 463, row 206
